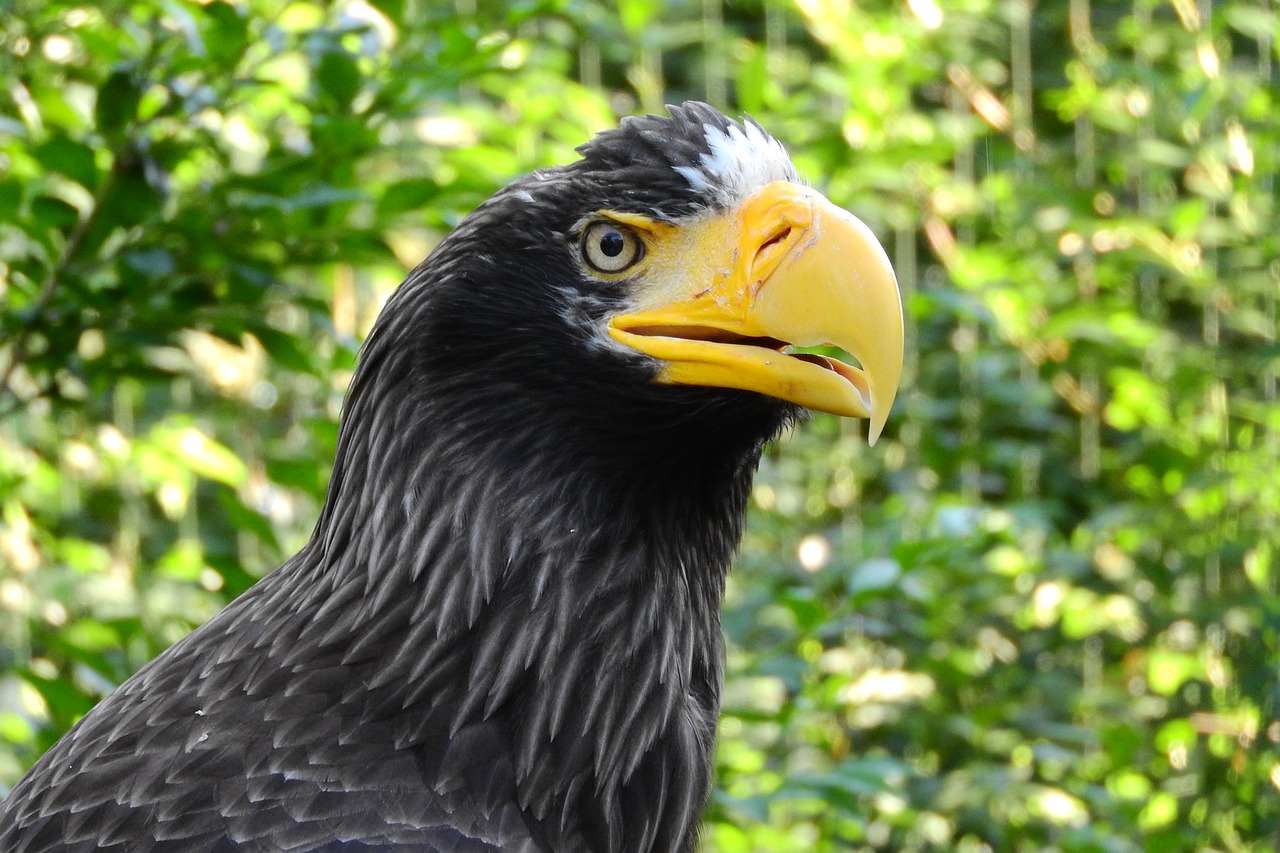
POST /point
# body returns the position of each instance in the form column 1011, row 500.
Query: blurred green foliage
column 1041, row 614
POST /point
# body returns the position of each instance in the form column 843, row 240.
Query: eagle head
column 679, row 270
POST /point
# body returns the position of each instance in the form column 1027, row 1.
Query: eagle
column 504, row 632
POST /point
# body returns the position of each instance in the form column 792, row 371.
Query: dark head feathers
column 677, row 166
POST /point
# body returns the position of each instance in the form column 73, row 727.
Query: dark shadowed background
column 1040, row 615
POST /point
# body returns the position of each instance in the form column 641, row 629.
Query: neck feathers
column 491, row 579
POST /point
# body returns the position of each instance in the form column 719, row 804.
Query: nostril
column 775, row 239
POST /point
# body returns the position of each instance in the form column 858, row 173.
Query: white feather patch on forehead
column 737, row 163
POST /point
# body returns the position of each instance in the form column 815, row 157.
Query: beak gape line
column 798, row 272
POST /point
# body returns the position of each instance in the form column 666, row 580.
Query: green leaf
column 412, row 194
column 1256, row 22
column 71, row 158
column 338, row 77
column 243, row 519
column 1167, row 670
column 298, row 473
column 15, row 728
column 636, row 15
column 10, row 198
column 91, row 635
column 54, row 213
column 286, row 349
column 393, row 9
column 202, row 455
column 117, row 103
column 61, row 696
column 226, row 32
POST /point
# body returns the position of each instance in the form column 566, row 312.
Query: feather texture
column 504, row 632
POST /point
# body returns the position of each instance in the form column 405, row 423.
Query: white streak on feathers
column 740, row 159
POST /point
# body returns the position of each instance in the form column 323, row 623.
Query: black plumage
column 504, row 632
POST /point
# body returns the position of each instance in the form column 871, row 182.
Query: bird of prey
column 504, row 632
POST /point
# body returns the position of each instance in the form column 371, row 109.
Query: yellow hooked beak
column 725, row 298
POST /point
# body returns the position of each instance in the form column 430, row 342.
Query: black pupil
column 612, row 244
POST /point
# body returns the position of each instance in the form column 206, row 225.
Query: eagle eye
column 608, row 247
